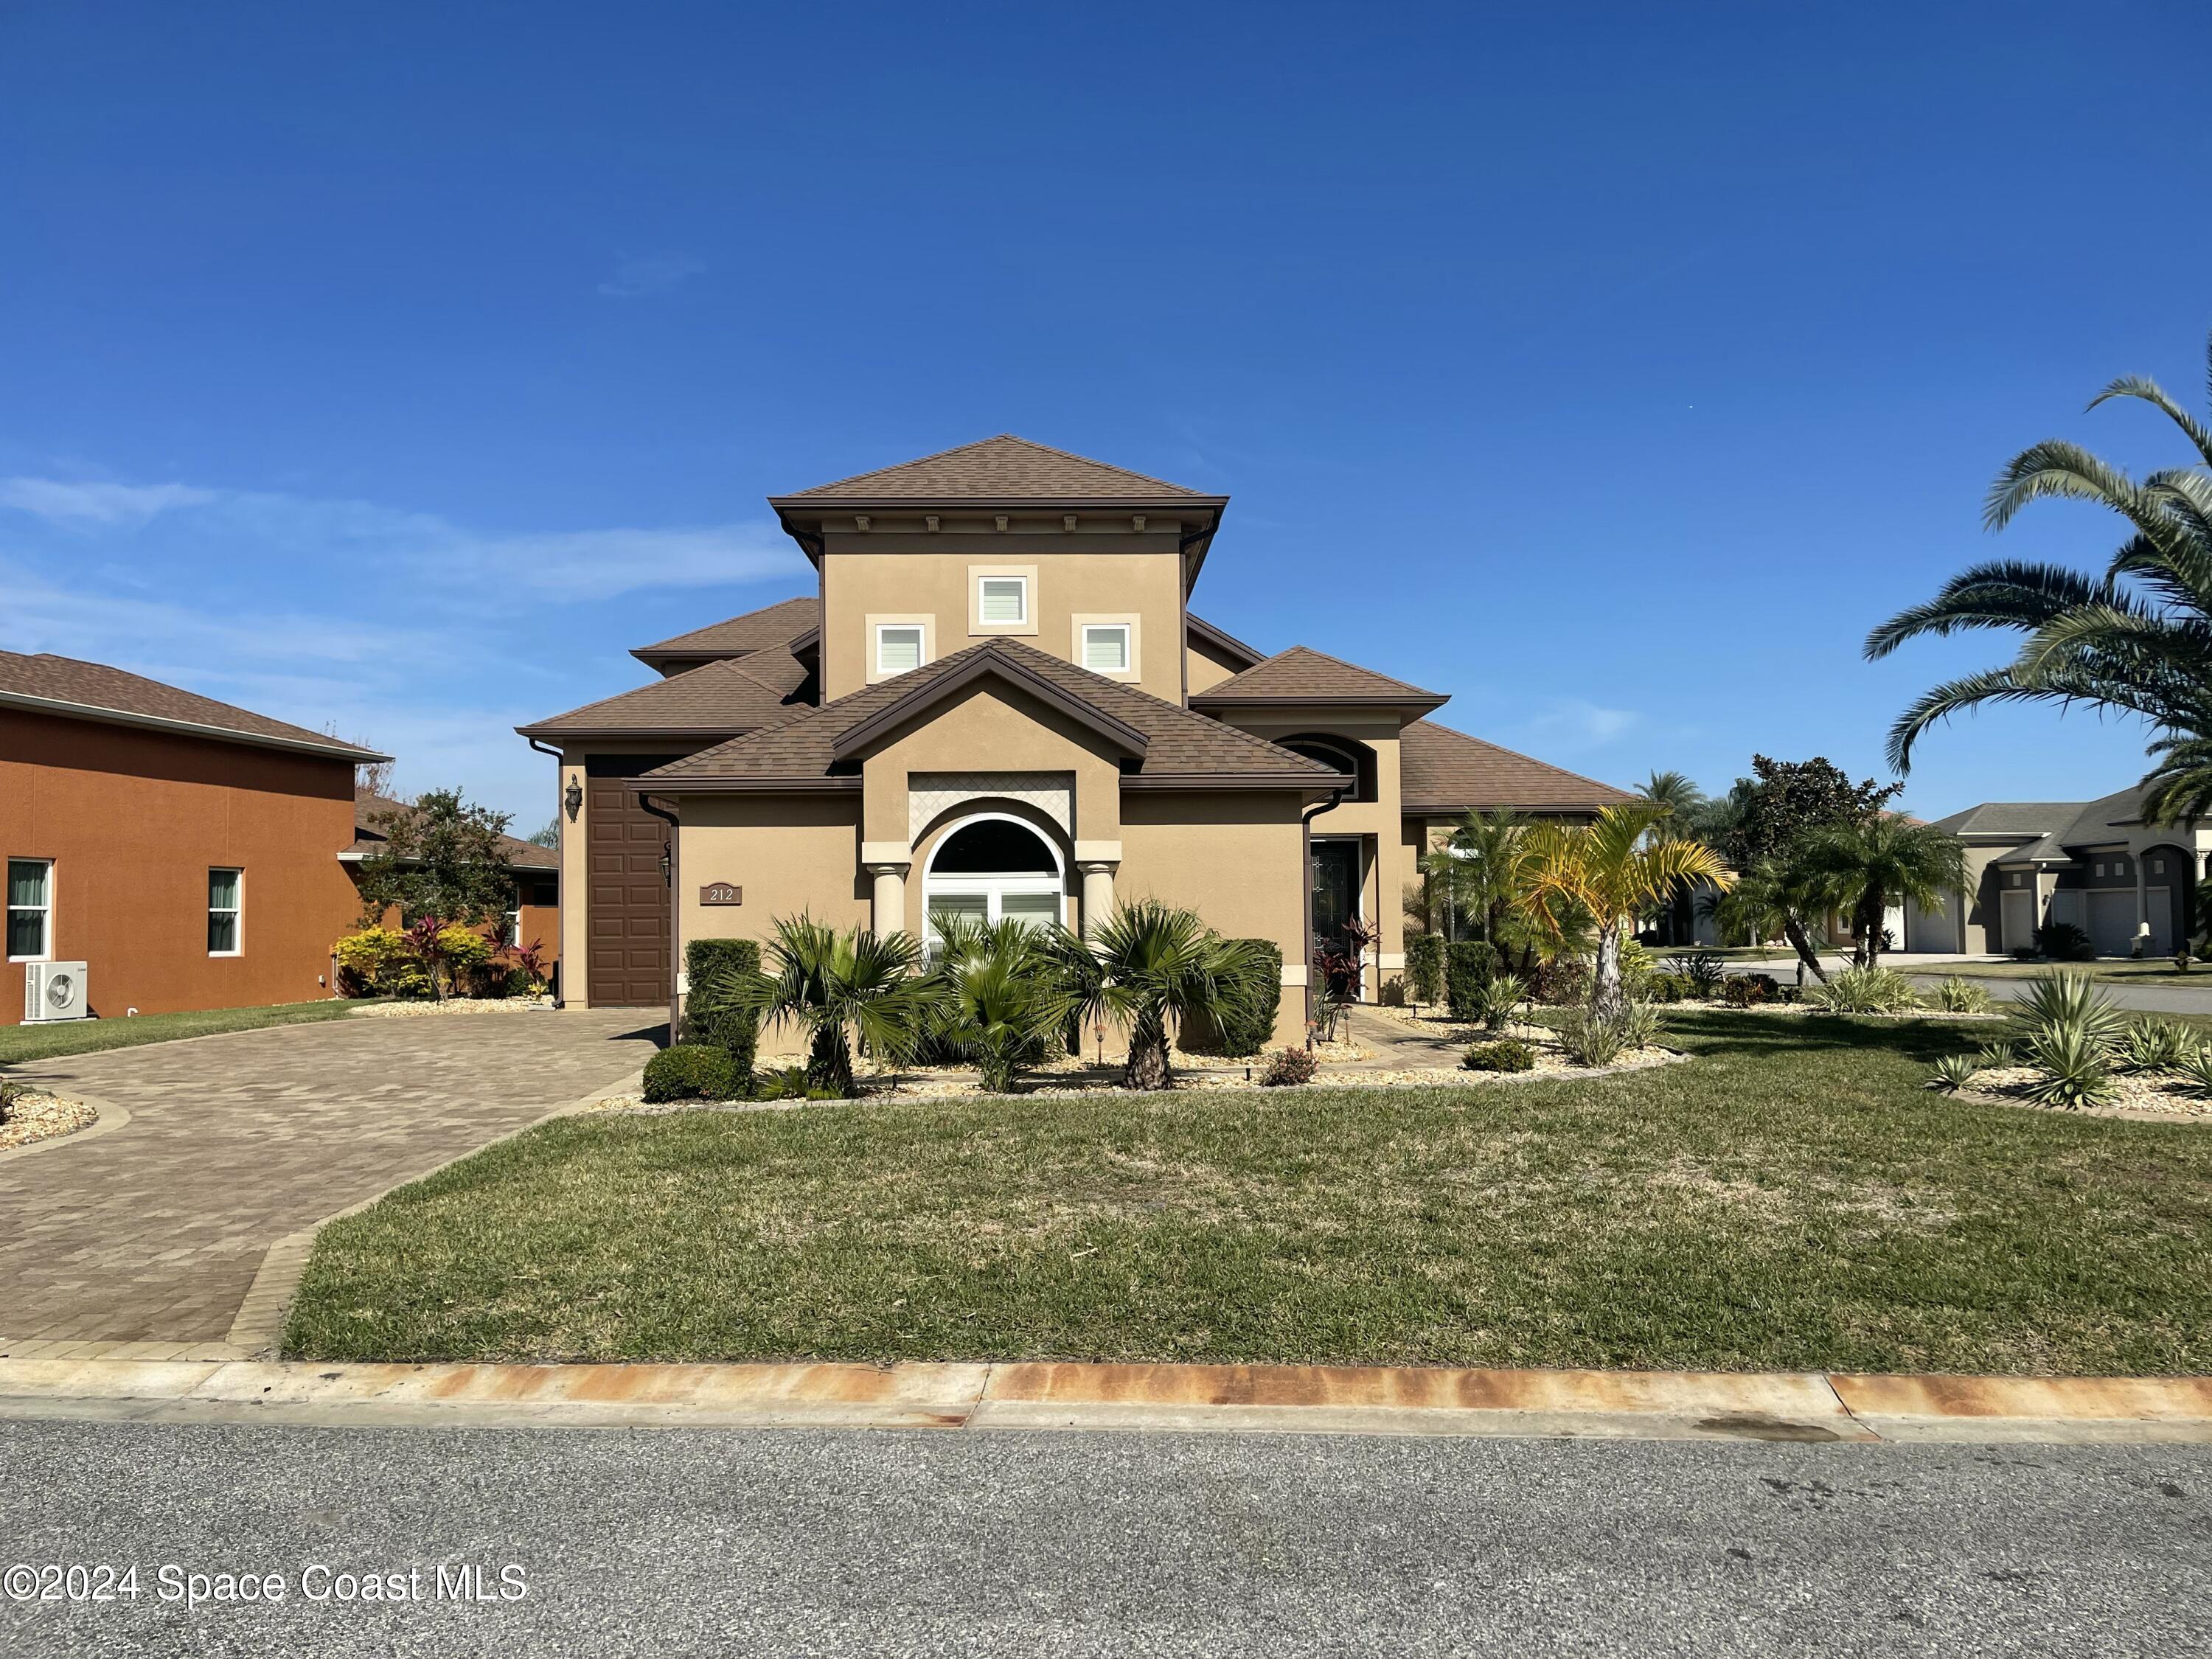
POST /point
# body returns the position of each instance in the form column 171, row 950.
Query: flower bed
column 2161, row 1095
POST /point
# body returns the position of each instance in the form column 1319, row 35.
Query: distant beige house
column 998, row 703
column 2094, row 863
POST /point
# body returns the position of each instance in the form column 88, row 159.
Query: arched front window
column 1355, row 760
column 990, row 867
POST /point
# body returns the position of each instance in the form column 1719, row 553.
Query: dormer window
column 1003, row 601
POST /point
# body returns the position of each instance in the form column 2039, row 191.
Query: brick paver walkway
column 153, row 1232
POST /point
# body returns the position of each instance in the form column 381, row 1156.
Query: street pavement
column 1924, row 972
column 801, row 1542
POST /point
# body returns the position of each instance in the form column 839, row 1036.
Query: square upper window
column 1002, row 600
column 1106, row 648
column 898, row 647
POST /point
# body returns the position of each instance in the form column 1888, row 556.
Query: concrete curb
column 1796, row 1407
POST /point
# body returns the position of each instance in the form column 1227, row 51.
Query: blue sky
column 1611, row 368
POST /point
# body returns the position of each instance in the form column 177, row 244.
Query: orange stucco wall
column 134, row 820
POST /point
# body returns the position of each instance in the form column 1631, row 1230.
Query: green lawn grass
column 85, row 1036
column 1791, row 1198
column 2116, row 970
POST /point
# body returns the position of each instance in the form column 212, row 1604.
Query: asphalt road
column 793, row 1542
column 2142, row 999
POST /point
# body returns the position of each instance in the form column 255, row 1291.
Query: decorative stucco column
column 1096, row 860
column 888, row 862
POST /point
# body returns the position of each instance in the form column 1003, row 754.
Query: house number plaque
column 721, row 892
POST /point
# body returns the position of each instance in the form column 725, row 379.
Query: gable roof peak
column 1004, row 467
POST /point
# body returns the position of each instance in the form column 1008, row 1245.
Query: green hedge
column 1424, row 966
column 1249, row 1024
column 693, row 1070
column 1469, row 965
column 713, row 1013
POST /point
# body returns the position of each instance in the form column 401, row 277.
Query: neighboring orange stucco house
column 998, row 701
column 186, row 851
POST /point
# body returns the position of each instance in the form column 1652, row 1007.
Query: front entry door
column 1335, row 891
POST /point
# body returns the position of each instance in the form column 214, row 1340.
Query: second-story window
column 898, row 648
column 1106, row 648
column 1003, row 600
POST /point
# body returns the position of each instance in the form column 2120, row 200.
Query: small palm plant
column 997, row 998
column 1151, row 965
column 839, row 985
column 1954, row 1073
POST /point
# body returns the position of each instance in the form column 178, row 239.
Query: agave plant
column 1958, row 996
column 2075, row 1066
column 1496, row 999
column 2196, row 1069
column 838, row 984
column 1865, row 991
column 2060, row 1002
column 1998, row 1056
column 1953, row 1072
column 2152, row 1045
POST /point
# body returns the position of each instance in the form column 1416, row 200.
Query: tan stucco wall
column 993, row 728
column 1205, row 669
column 929, row 576
column 1378, row 823
column 1238, row 860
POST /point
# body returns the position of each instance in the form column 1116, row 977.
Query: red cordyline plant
column 422, row 940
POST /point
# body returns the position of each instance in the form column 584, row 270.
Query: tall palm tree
column 1862, row 868
column 1614, row 869
column 1678, row 800
column 1482, row 873
column 839, row 985
column 2137, row 639
column 1773, row 896
column 1150, row 965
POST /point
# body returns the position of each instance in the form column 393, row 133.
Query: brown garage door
column 627, row 920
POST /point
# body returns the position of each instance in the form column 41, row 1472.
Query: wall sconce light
column 573, row 800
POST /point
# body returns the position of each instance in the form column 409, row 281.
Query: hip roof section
column 1441, row 770
column 92, row 690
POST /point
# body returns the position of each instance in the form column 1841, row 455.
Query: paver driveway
column 153, row 1232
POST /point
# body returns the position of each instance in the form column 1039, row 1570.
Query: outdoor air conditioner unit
column 53, row 990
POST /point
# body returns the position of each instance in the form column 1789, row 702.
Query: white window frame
column 877, row 622
column 884, row 630
column 992, row 889
column 1021, row 587
column 1132, row 627
column 979, row 573
column 46, row 910
column 1121, row 630
column 237, row 912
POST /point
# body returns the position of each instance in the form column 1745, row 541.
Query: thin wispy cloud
column 643, row 275
column 66, row 501
column 1572, row 723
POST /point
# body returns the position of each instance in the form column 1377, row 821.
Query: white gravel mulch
column 36, row 1115
column 2156, row 1095
column 452, row 1006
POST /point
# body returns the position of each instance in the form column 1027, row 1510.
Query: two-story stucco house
column 997, row 701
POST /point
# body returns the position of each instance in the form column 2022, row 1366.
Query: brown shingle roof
column 1441, row 770
column 756, row 630
column 93, row 690
column 717, row 699
column 1181, row 748
column 1302, row 674
column 368, row 838
column 1004, row 468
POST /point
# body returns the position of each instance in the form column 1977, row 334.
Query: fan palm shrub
column 2135, row 640
column 1612, row 872
column 1863, row 868
column 1150, row 966
column 997, row 998
column 838, row 986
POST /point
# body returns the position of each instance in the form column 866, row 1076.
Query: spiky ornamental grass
column 1953, row 1072
column 2075, row 1069
column 1961, row 996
